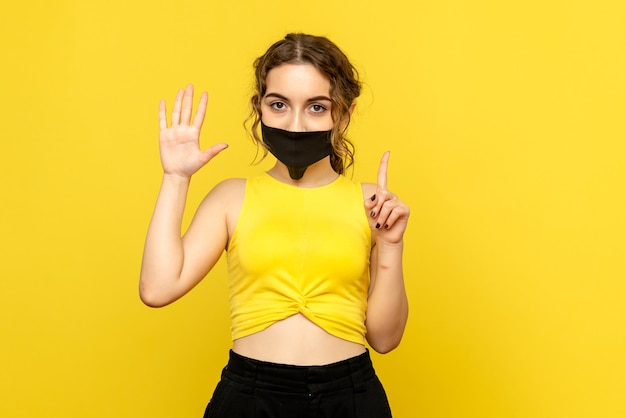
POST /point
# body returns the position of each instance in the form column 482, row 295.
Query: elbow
column 151, row 297
column 385, row 337
column 151, row 301
column 385, row 346
column 385, row 340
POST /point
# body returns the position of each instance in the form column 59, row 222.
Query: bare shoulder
column 224, row 202
column 227, row 193
column 369, row 189
column 229, row 186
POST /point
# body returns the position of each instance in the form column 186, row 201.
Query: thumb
column 209, row 153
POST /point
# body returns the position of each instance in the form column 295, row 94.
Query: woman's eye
column 277, row 105
column 316, row 108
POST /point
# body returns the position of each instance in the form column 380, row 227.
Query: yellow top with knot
column 300, row 250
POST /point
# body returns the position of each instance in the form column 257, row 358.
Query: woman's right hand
column 180, row 142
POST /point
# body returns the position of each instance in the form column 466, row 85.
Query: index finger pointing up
column 382, row 171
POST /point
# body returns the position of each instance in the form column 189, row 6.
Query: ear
column 346, row 117
column 352, row 107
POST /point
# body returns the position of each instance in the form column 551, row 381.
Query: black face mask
column 297, row 150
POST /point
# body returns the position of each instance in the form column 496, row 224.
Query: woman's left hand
column 387, row 215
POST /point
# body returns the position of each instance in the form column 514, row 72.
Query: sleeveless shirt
column 300, row 250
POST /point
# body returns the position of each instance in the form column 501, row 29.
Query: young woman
column 314, row 259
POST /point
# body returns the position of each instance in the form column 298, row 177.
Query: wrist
column 176, row 178
column 390, row 246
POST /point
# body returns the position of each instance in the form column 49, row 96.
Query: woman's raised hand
column 180, row 142
column 388, row 215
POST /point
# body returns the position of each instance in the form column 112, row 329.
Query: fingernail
column 373, row 197
column 372, row 213
column 386, row 226
column 377, row 226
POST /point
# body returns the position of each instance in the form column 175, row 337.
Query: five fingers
column 181, row 113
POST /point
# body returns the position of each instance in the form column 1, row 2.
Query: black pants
column 256, row 389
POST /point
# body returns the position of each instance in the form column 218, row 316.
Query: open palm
column 180, row 142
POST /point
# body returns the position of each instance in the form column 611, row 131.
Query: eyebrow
column 312, row 99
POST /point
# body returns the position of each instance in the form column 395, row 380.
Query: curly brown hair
column 345, row 87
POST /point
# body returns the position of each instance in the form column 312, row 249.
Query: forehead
column 297, row 80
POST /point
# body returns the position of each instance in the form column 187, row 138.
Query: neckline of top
column 297, row 187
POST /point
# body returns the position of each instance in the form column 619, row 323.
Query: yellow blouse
column 300, row 250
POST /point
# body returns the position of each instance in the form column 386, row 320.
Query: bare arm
column 388, row 307
column 172, row 264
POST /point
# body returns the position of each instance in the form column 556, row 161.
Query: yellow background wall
column 506, row 126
